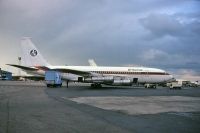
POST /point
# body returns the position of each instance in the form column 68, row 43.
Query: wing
column 77, row 72
column 62, row 70
column 23, row 67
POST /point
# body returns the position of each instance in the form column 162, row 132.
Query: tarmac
column 31, row 107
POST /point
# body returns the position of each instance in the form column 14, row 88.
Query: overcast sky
column 154, row 33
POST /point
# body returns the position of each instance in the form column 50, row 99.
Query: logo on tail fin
column 33, row 52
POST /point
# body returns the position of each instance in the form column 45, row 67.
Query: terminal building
column 5, row 75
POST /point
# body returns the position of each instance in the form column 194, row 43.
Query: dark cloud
column 162, row 24
column 176, row 37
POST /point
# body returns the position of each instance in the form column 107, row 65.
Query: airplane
column 35, row 64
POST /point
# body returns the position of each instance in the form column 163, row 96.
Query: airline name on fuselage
column 133, row 69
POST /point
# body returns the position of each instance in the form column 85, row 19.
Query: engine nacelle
column 99, row 80
column 126, row 82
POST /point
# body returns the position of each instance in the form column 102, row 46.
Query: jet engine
column 109, row 80
column 125, row 82
column 99, row 80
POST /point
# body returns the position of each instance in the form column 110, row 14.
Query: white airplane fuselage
column 142, row 74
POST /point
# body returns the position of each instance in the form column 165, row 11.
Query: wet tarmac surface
column 30, row 107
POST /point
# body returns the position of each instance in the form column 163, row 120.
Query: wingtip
column 9, row 64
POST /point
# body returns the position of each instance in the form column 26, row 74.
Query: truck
column 53, row 79
column 150, row 86
column 176, row 85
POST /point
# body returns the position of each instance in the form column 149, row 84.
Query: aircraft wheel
column 96, row 85
column 93, row 85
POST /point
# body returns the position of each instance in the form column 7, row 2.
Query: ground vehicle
column 150, row 86
column 194, row 84
column 176, row 85
column 53, row 79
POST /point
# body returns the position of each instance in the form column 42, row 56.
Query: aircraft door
column 80, row 79
column 135, row 80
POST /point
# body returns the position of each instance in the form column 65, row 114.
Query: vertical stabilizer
column 92, row 62
column 30, row 54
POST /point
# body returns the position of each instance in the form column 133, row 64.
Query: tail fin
column 92, row 62
column 30, row 54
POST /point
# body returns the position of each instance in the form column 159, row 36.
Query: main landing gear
column 96, row 85
column 67, row 83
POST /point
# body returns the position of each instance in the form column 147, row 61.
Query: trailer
column 53, row 79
